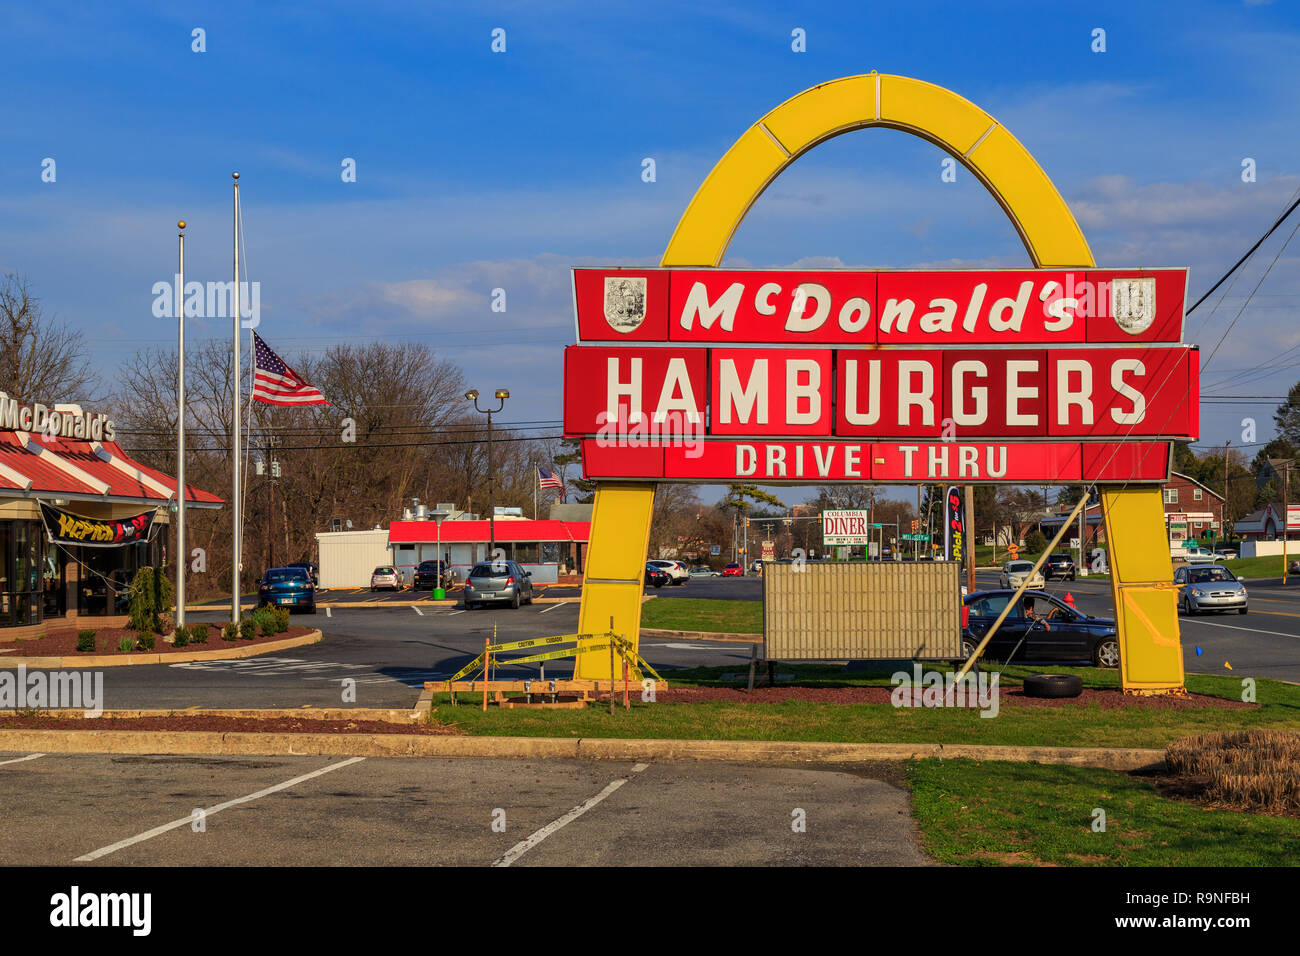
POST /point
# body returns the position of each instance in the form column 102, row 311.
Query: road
column 62, row 809
column 390, row 652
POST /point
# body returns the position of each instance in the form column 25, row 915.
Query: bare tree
column 41, row 359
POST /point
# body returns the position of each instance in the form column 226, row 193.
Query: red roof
column 48, row 478
column 507, row 529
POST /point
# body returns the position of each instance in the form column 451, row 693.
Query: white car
column 1014, row 574
column 1196, row 555
column 677, row 572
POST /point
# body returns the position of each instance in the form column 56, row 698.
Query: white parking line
column 1253, row 630
column 21, row 759
column 519, row 849
column 327, row 613
column 553, row 607
column 417, row 611
column 159, row 831
column 454, row 613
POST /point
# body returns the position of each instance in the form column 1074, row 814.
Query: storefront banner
column 63, row 527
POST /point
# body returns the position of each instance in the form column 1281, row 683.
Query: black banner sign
column 66, row 528
column 954, row 526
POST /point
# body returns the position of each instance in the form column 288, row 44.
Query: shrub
column 198, row 633
column 1035, row 542
column 145, row 641
column 151, row 595
column 86, row 641
column 281, row 620
column 230, row 632
column 182, row 636
column 248, row 629
column 126, row 644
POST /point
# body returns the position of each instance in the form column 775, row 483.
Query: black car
column 1059, row 566
column 657, row 577
column 426, row 576
column 1051, row 629
column 310, row 568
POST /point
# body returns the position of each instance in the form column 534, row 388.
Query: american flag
column 548, row 479
column 275, row 383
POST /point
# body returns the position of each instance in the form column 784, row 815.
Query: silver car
column 491, row 581
column 1015, row 572
column 1209, row 588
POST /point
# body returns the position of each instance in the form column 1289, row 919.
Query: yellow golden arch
column 1139, row 559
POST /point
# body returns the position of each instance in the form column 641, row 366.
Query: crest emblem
column 1133, row 303
column 624, row 302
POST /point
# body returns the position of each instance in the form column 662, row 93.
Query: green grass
column 1088, row 726
column 699, row 614
column 987, row 813
column 1265, row 567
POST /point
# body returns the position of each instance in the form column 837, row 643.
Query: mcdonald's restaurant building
column 78, row 518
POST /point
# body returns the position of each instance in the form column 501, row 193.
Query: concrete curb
column 344, row 605
column 412, row 745
column 82, row 662
column 392, row 715
column 702, row 635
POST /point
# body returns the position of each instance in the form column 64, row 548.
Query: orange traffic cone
column 1069, row 599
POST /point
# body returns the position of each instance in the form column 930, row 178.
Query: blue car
column 288, row 587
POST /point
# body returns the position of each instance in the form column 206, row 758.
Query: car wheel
column 967, row 649
column 1053, row 686
column 312, row 609
column 1106, row 654
column 514, row 601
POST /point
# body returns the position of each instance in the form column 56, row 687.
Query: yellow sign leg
column 1141, row 576
column 620, row 531
column 614, row 576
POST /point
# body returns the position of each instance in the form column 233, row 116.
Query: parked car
column 493, row 581
column 1059, row 566
column 656, row 576
column 676, row 570
column 1226, row 553
column 733, row 570
column 1209, row 589
column 385, row 577
column 1014, row 573
column 1195, row 555
column 288, row 587
column 756, row 567
column 310, row 567
column 1051, row 630
column 703, row 572
column 426, row 576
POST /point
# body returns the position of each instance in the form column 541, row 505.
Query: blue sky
column 478, row 170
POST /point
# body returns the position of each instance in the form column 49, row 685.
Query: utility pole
column 180, row 434
column 970, row 538
column 1223, row 512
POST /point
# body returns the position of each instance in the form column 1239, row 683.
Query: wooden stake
column 487, row 662
column 611, row 673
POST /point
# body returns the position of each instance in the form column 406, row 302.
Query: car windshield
column 384, row 571
column 1015, row 567
column 485, row 571
column 1209, row 575
column 428, row 566
column 284, row 575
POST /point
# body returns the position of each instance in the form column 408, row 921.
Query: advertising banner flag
column 64, row 527
column 954, row 526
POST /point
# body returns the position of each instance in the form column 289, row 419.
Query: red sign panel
column 1024, row 306
column 812, row 461
column 896, row 393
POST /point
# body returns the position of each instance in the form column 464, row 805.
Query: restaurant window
column 106, row 575
column 22, row 559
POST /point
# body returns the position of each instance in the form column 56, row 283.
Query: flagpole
column 235, row 549
column 180, row 434
column 537, row 484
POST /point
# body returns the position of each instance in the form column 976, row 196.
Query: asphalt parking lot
column 62, row 809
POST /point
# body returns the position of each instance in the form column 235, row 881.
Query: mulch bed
column 1007, row 696
column 62, row 642
column 197, row 722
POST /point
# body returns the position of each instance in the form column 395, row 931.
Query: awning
column 34, row 466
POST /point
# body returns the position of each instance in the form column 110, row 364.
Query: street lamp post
column 500, row 395
column 438, row 514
